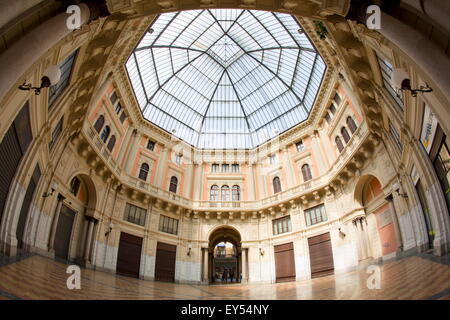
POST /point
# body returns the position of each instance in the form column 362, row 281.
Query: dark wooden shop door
column 284, row 262
column 21, row 224
column 129, row 255
column 64, row 232
column 165, row 262
column 321, row 255
column 13, row 146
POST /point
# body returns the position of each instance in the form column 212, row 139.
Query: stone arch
column 229, row 232
column 378, row 227
column 217, row 265
column 83, row 228
column 358, row 193
column 91, row 188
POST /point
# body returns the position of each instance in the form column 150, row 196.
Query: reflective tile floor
column 415, row 277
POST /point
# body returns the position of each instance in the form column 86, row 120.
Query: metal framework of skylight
column 225, row 78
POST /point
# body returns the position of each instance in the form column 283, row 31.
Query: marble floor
column 415, row 277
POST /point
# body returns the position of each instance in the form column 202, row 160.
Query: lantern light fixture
column 401, row 80
column 51, row 76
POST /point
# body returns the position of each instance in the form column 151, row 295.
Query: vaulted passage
column 224, row 259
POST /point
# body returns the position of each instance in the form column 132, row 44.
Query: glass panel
column 225, row 78
column 134, row 214
column 281, row 225
column 66, row 70
column 308, row 218
column 315, row 215
column 395, row 136
column 55, row 134
column 386, row 71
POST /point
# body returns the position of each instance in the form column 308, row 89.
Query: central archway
column 224, row 254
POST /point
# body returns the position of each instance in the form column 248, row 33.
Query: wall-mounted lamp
column 261, row 251
column 189, row 249
column 401, row 80
column 53, row 189
column 51, row 77
column 341, row 232
column 111, row 226
column 48, row 194
column 396, row 188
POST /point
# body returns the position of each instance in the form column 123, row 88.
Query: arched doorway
column 224, row 256
column 379, row 214
column 74, row 224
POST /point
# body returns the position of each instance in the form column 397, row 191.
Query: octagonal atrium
column 224, row 149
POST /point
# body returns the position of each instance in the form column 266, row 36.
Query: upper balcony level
column 135, row 186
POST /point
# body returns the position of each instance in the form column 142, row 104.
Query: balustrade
column 289, row 194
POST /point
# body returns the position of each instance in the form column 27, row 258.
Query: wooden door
column 64, row 232
column 12, row 148
column 165, row 262
column 321, row 255
column 129, row 255
column 284, row 262
column 23, row 217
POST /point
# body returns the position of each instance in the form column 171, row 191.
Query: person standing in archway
column 224, row 275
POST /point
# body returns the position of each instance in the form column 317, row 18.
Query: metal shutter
column 284, row 262
column 13, row 146
column 64, row 232
column 26, row 206
column 129, row 255
column 165, row 262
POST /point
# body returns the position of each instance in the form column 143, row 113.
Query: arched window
column 225, row 193
column 151, row 145
column 173, row 184
column 105, row 134
column 351, row 124
column 345, row 134
column 236, row 193
column 214, row 193
column 111, row 143
column 339, row 144
column 118, row 108
column 99, row 123
column 332, row 108
column 306, row 171
column 337, row 98
column 143, row 173
column 276, row 185
column 75, row 186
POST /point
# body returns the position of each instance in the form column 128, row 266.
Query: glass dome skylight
column 225, row 78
